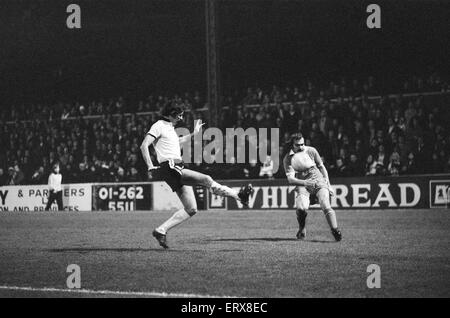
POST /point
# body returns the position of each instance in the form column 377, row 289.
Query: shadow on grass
column 268, row 239
column 125, row 250
column 104, row 249
column 320, row 241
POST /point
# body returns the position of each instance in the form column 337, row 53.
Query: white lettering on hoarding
column 340, row 193
column 384, row 195
column 357, row 195
column 3, row 195
column 76, row 197
column 273, row 197
column 281, row 197
column 285, row 190
column 403, row 192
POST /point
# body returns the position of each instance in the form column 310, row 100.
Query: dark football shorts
column 171, row 172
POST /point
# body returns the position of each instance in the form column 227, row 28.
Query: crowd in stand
column 108, row 106
column 355, row 134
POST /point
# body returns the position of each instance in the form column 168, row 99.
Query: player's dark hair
column 296, row 136
column 172, row 109
column 288, row 145
column 55, row 164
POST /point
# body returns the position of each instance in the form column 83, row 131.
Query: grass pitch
column 234, row 253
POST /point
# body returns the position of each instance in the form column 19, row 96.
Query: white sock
column 330, row 215
column 178, row 217
column 224, row 191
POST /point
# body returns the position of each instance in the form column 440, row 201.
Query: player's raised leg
column 187, row 198
column 191, row 177
column 323, row 196
column 302, row 205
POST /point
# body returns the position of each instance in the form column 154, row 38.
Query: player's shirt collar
column 292, row 152
column 165, row 119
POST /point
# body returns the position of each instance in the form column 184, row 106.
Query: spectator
column 443, row 157
column 331, row 147
column 411, row 166
column 38, row 176
column 55, row 189
column 354, row 168
column 409, row 113
column 359, row 132
column 3, row 177
column 381, row 158
column 83, row 174
column 324, row 122
column 374, row 149
column 421, row 154
column 360, row 150
column 250, row 120
column 447, row 166
column 339, row 169
column 317, row 137
column 414, row 129
column 267, row 168
column 267, row 122
column 370, row 166
column 435, row 164
column 290, row 119
column 251, row 171
column 133, row 175
column 16, row 176
column 394, row 165
column 392, row 127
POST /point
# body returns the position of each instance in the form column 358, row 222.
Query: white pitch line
column 111, row 292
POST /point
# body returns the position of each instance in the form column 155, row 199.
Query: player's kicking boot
column 301, row 218
column 337, row 234
column 161, row 238
column 244, row 194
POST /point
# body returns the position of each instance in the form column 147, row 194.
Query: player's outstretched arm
column 296, row 181
column 197, row 128
column 148, row 140
column 322, row 169
column 324, row 172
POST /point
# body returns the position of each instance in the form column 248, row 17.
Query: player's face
column 298, row 145
column 180, row 116
column 177, row 118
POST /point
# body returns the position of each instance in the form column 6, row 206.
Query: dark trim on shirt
column 165, row 119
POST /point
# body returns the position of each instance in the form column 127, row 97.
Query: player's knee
column 191, row 211
column 327, row 211
column 302, row 204
column 208, row 181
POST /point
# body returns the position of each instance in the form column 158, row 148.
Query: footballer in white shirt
column 165, row 141
column 304, row 168
column 55, row 187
